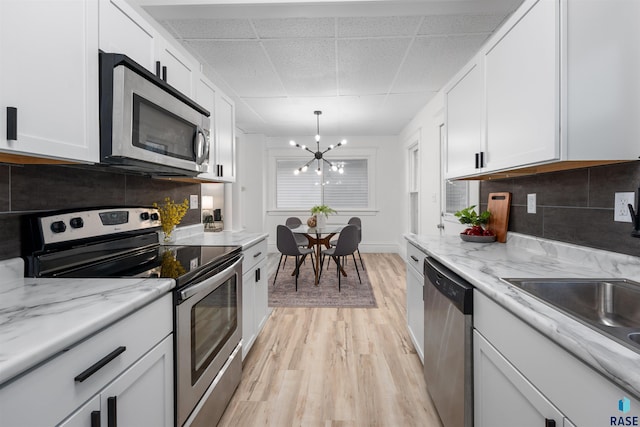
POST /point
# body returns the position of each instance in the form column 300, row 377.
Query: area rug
column 352, row 294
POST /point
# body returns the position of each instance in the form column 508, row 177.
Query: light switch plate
column 193, row 201
column 621, row 208
column 531, row 203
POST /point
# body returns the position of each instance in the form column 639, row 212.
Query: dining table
column 318, row 236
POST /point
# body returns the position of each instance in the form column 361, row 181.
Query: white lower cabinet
column 522, row 378
column 121, row 376
column 503, row 397
column 415, row 298
column 255, row 295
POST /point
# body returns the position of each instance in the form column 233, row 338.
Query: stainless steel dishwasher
column 448, row 346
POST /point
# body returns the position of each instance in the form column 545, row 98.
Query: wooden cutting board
column 499, row 205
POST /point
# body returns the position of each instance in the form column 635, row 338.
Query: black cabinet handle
column 112, row 412
column 164, row 73
column 99, row 364
column 12, row 124
column 221, row 170
column 218, row 173
column 158, row 69
column 95, row 419
column 482, row 159
column 549, row 423
column 414, row 258
column 257, row 274
column 477, row 160
column 257, row 255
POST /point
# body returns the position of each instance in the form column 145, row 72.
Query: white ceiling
column 368, row 65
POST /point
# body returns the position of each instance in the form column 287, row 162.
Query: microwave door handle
column 201, row 146
column 210, row 283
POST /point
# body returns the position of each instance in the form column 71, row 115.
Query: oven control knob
column 58, row 227
column 144, row 216
column 76, row 222
column 155, row 217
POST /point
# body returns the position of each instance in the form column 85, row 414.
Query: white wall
column 250, row 189
column 380, row 225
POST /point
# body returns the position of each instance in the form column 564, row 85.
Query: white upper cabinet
column 49, row 78
column 225, row 138
column 124, row 30
column 558, row 84
column 522, row 102
column 205, row 95
column 176, row 68
column 464, row 98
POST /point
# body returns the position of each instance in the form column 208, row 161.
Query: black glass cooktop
column 183, row 263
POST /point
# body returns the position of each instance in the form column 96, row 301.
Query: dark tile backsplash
column 30, row 188
column 574, row 206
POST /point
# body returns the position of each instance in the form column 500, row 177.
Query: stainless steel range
column 122, row 242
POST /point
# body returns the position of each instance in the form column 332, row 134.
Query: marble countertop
column 523, row 256
column 222, row 238
column 41, row 317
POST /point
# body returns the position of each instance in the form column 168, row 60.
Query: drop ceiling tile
column 382, row 26
column 242, row 64
column 210, row 28
column 459, row 24
column 368, row 66
column 305, row 66
column 432, row 61
column 295, row 27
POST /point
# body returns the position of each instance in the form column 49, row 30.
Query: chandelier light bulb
column 318, row 153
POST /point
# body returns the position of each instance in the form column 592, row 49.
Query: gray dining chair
column 347, row 244
column 286, row 243
column 358, row 223
column 293, row 222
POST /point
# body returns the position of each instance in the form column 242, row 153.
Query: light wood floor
column 337, row 366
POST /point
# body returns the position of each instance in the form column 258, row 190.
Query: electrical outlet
column 193, row 201
column 531, row 203
column 621, row 206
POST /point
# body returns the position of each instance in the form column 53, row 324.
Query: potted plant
column 321, row 213
column 476, row 221
column 171, row 214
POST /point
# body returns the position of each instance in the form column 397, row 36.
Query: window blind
column 456, row 195
column 300, row 191
column 339, row 191
column 349, row 189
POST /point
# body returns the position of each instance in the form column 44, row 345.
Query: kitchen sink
column 611, row 306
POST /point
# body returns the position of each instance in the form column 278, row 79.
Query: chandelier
column 319, row 155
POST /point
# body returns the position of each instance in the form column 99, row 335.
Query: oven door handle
column 209, row 283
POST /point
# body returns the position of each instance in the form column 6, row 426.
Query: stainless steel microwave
column 147, row 125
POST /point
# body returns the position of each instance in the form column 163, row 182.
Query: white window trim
column 344, row 153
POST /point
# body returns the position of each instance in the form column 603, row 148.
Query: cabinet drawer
column 253, row 255
column 415, row 258
column 55, row 385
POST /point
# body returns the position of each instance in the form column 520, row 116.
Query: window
column 456, row 196
column 349, row 190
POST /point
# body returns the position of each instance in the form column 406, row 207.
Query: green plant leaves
column 469, row 216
